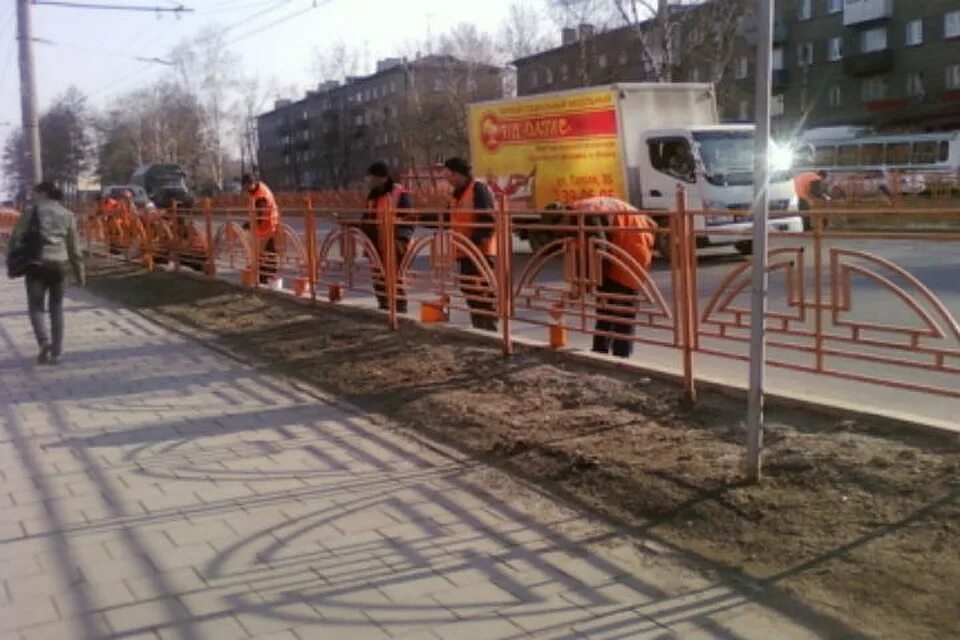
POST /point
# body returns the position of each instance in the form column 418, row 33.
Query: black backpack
column 28, row 251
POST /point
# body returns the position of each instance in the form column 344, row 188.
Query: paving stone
column 172, row 492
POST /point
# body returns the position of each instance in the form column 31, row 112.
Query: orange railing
column 874, row 307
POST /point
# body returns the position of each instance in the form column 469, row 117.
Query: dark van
column 164, row 184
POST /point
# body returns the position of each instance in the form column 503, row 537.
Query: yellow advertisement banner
column 542, row 149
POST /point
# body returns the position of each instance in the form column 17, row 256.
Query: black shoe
column 44, row 355
column 54, row 359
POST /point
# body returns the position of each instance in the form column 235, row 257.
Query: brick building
column 408, row 113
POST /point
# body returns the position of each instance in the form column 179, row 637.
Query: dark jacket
column 402, row 232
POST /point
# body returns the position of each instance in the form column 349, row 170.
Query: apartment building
column 407, row 113
column 889, row 64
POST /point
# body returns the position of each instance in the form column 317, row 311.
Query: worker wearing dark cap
column 267, row 224
column 385, row 193
column 471, row 215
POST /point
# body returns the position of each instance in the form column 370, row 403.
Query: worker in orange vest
column 471, row 215
column 385, row 193
column 811, row 188
column 267, row 223
column 623, row 226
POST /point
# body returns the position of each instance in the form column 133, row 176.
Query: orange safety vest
column 803, row 183
column 268, row 217
column 626, row 225
column 377, row 208
column 463, row 217
column 109, row 207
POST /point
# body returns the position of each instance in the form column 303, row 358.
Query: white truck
column 636, row 142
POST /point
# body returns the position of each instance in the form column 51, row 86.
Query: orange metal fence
column 841, row 304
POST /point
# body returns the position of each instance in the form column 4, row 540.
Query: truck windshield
column 727, row 157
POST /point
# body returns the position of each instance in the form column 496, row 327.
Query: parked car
column 165, row 184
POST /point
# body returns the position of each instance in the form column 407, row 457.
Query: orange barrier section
column 839, row 305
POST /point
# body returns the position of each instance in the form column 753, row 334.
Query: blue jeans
column 45, row 284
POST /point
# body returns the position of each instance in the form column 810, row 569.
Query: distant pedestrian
column 53, row 229
column 267, row 224
column 384, row 193
column 471, row 215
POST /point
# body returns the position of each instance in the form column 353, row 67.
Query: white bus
column 869, row 164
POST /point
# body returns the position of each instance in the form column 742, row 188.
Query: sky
column 95, row 49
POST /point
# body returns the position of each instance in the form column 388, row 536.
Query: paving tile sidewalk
column 153, row 488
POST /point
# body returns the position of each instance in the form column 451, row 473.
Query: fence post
column 388, row 242
column 253, row 267
column 175, row 237
column 310, row 227
column 504, row 230
column 210, row 265
column 687, row 261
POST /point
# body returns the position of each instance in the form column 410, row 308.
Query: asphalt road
column 879, row 296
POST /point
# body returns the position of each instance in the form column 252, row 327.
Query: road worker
column 471, row 215
column 385, row 193
column 623, row 226
column 267, row 224
column 811, row 188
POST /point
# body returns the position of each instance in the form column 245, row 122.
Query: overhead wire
column 276, row 22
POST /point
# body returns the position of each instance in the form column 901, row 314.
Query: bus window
column 925, row 152
column 944, row 151
column 871, row 155
column 848, row 155
column 898, row 153
column 825, row 156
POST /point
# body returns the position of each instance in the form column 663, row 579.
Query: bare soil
column 857, row 521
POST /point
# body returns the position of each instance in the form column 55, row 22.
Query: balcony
column 862, row 11
column 781, row 31
column 868, row 64
column 781, row 79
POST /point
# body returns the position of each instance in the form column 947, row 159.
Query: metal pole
column 761, row 178
column 28, row 97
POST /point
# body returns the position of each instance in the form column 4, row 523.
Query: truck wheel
column 745, row 247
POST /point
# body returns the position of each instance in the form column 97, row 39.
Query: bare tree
column 207, row 70
column 675, row 36
column 522, row 33
column 337, row 61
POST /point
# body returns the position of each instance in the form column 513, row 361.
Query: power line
column 102, row 52
column 276, row 22
column 178, row 9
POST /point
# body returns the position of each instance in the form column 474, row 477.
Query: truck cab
column 714, row 165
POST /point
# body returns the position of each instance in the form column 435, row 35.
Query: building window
column 623, row 58
column 777, row 60
column 471, row 85
column 914, row 33
column 695, row 74
column 744, row 110
column 804, row 9
column 951, row 24
column 534, row 80
column 835, row 49
column 743, row 68
column 915, row 85
column 564, row 72
column 805, row 54
column 835, row 97
column 834, row 6
column 776, row 105
column 873, row 40
column 602, row 61
column 873, row 89
column 953, row 76
column 548, row 76
column 438, row 85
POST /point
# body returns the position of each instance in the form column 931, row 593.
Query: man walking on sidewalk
column 52, row 229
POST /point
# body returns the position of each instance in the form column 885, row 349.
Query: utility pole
column 28, row 97
column 761, row 198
